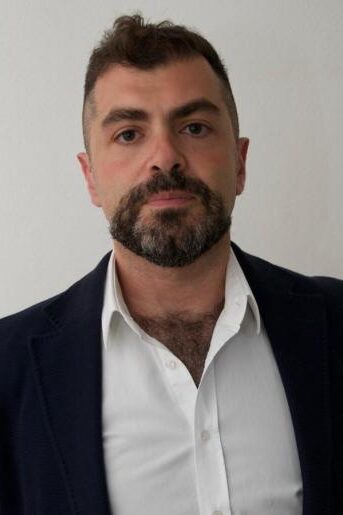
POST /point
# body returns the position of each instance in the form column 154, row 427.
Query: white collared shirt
column 226, row 447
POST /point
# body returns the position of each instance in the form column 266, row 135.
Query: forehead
column 163, row 87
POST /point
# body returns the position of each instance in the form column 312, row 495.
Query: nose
column 166, row 156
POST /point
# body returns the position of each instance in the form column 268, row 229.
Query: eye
column 196, row 129
column 127, row 136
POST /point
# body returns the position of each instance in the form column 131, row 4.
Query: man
column 182, row 375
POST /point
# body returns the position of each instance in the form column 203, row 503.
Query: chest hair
column 186, row 335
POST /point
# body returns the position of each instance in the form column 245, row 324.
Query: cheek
column 217, row 169
column 112, row 168
column 113, row 178
column 124, row 167
column 117, row 177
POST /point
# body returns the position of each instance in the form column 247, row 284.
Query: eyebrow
column 133, row 114
column 199, row 104
column 125, row 113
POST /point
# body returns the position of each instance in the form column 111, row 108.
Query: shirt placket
column 212, row 481
column 180, row 383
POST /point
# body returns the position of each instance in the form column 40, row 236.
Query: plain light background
column 285, row 65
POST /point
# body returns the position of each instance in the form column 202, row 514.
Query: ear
column 242, row 148
column 89, row 177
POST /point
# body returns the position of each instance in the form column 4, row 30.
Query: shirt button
column 171, row 364
column 205, row 435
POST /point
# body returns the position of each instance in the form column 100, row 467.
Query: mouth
column 170, row 199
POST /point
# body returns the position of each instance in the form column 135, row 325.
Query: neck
column 153, row 291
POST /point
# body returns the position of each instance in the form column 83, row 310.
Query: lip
column 170, row 198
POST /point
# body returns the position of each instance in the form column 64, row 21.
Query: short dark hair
column 133, row 42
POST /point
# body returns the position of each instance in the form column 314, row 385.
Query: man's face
column 163, row 161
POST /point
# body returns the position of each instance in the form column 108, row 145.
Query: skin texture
column 201, row 145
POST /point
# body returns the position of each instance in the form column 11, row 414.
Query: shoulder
column 277, row 277
column 48, row 314
column 29, row 318
column 332, row 289
column 80, row 301
column 14, row 335
column 269, row 279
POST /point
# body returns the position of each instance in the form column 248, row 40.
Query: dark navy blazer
column 51, row 453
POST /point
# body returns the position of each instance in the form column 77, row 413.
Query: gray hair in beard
column 169, row 238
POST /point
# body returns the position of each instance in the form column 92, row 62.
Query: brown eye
column 196, row 129
column 127, row 136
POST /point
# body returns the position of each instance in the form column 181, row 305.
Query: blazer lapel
column 67, row 364
column 296, row 325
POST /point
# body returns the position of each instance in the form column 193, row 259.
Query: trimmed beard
column 171, row 237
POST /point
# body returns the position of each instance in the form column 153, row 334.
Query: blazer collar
column 68, row 369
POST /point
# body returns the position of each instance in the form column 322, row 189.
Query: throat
column 186, row 335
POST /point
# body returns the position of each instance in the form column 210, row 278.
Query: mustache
column 174, row 180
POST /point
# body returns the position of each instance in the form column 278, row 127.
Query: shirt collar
column 236, row 287
column 114, row 303
column 238, row 292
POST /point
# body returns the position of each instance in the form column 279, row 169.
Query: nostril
column 175, row 168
